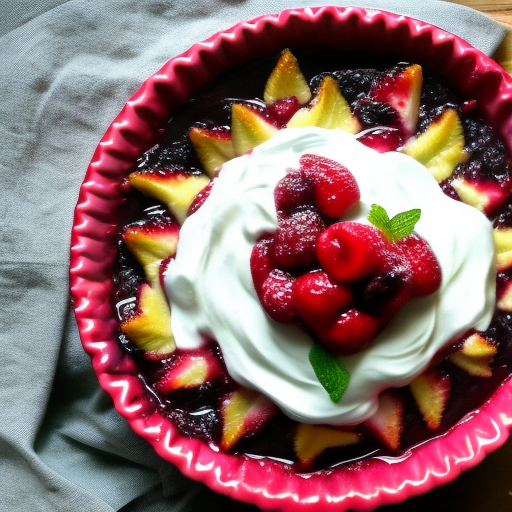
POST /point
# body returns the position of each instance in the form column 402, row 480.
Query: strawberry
column 189, row 370
column 350, row 251
column 431, row 390
column 213, row 147
column 335, row 189
column 244, row 412
column 328, row 109
column 387, row 422
column 174, row 187
column 293, row 191
column 310, row 441
column 424, row 267
column 286, row 80
column 276, row 296
column 351, row 332
column 295, row 239
column 200, row 198
column 401, row 89
column 316, row 298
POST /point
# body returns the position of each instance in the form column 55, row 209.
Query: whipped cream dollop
column 211, row 292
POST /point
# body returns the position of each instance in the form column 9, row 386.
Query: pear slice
column 248, row 128
column 311, row 440
column 484, row 196
column 440, row 148
column 402, row 91
column 286, row 80
column 175, row 188
column 328, row 109
column 213, row 147
column 244, row 412
column 475, row 356
column 505, row 297
column 151, row 243
column 503, row 247
column 431, row 390
column 150, row 327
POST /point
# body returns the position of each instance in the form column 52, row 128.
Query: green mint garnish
column 400, row 226
column 331, row 373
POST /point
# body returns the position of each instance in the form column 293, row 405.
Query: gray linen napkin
column 67, row 69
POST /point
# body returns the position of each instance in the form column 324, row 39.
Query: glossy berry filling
column 296, row 271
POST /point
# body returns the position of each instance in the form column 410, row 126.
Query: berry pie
column 322, row 275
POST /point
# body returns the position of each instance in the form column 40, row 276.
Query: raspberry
column 350, row 251
column 316, row 298
column 295, row 239
column 335, row 189
column 425, row 269
column 283, row 109
column 276, row 296
column 352, row 332
column 293, row 191
column 260, row 265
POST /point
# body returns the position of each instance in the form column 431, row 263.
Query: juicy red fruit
column 424, row 267
column 295, row 239
column 350, row 251
column 335, row 189
column 292, row 192
column 316, row 298
column 276, row 296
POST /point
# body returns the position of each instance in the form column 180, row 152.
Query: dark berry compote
column 388, row 106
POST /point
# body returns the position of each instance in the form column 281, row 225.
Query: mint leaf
column 330, row 372
column 378, row 216
column 400, row 226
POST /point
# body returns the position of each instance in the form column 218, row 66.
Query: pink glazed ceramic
column 267, row 483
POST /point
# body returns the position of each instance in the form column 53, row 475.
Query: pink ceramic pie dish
column 271, row 484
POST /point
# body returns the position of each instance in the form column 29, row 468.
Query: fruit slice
column 311, row 440
column 350, row 251
column 484, row 196
column 190, row 370
column 431, row 390
column 440, row 148
column 151, row 243
column 150, row 327
column 402, row 90
column 503, row 247
column 475, row 356
column 335, row 189
column 244, row 412
column 505, row 297
column 248, row 128
column 328, row 109
column 213, row 147
column 387, row 423
column 175, row 188
column 286, row 80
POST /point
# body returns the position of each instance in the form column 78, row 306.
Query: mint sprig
column 330, row 371
column 400, row 226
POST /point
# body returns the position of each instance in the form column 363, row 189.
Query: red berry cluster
column 342, row 281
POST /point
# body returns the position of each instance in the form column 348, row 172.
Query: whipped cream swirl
column 210, row 288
